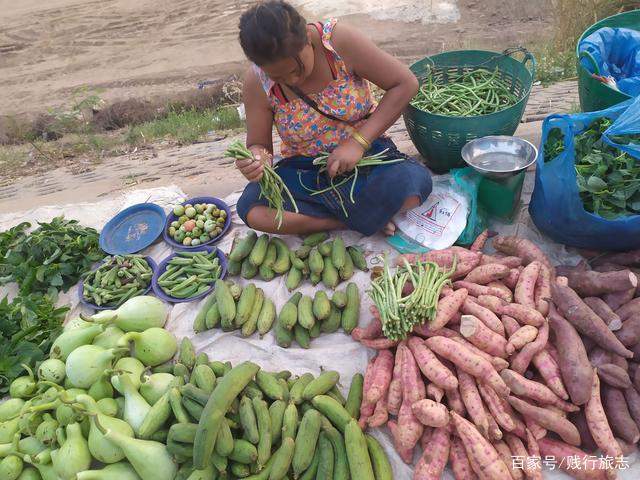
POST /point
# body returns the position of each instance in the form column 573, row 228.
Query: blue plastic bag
column 556, row 207
column 616, row 53
column 469, row 182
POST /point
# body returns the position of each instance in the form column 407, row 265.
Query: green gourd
column 102, row 387
column 150, row 459
column 10, row 408
column 152, row 347
column 115, row 471
column 30, row 446
column 68, row 341
column 102, row 449
column 108, row 406
column 109, row 338
column 24, row 386
column 73, row 456
column 132, row 368
column 155, row 385
column 87, row 363
column 29, row 473
column 135, row 315
column 52, row 370
column 46, row 431
column 135, row 406
column 10, row 467
column 46, row 471
column 76, row 323
column 8, row 429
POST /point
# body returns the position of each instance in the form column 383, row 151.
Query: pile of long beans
column 190, row 274
column 117, row 280
column 368, row 161
column 271, row 185
column 408, row 297
column 478, row 92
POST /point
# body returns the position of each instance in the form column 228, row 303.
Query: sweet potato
column 620, row 420
column 629, row 334
column 524, row 293
column 413, row 388
column 459, row 462
column 494, row 434
column 548, row 419
column 371, row 331
column 497, row 362
column 574, row 364
column 542, row 290
column 472, row 401
column 484, row 274
column 618, row 299
column 523, row 314
column 448, row 307
column 486, row 460
column 626, row 447
column 431, row 367
column 476, row 290
column 628, row 309
column 380, row 414
column 620, row 362
column 598, row 356
column 482, row 337
column 598, row 424
column 519, row 452
column 409, row 428
column 511, row 280
column 499, row 409
column 468, row 361
column 454, row 400
column 382, row 373
column 426, row 332
column 426, row 437
column 446, row 291
column 536, row 430
column 565, row 270
column 491, row 302
column 565, row 457
column 379, row 343
column 480, row 241
column 507, row 457
column 434, row 392
column 632, row 397
column 523, row 387
column 520, row 337
column 485, row 315
column 406, row 454
column 523, row 248
column 430, row 413
column 629, row 258
column 511, row 262
column 394, row 397
column 521, row 360
column 601, row 309
column 366, row 409
column 507, row 292
column 585, row 320
column 434, row 459
column 595, row 284
column 580, row 421
column 614, row 375
column 550, row 372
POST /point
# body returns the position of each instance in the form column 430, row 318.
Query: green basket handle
column 588, row 56
column 532, row 69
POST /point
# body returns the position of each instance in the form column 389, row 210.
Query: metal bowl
column 499, row 156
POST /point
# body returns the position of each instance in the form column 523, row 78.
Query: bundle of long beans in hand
column 271, row 185
column 409, row 296
column 367, row 161
column 473, row 93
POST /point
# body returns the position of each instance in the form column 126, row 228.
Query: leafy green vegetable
column 50, row 258
column 554, row 145
column 28, row 326
column 608, row 178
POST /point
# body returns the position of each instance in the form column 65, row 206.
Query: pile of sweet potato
column 524, row 360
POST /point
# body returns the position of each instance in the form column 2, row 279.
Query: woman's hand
column 253, row 169
column 344, row 158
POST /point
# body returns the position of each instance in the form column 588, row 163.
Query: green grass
column 184, row 127
column 553, row 65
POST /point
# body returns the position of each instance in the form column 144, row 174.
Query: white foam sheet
column 335, row 351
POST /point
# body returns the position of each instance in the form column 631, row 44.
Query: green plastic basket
column 439, row 138
column 595, row 95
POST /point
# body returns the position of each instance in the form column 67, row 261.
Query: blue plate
column 133, row 229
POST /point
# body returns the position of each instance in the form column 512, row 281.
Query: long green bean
column 271, row 185
column 473, row 93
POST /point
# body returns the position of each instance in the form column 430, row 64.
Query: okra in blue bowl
column 187, row 276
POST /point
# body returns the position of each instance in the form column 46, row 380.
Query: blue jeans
column 378, row 195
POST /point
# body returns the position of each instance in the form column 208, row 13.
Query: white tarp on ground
column 328, row 352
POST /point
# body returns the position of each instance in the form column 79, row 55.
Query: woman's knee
column 247, row 201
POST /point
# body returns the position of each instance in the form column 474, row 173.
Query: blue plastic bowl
column 152, row 264
column 163, row 266
column 133, row 229
column 172, row 218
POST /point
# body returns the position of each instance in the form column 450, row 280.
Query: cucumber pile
column 303, row 318
column 318, row 259
column 189, row 274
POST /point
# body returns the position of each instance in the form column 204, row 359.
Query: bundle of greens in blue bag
column 608, row 178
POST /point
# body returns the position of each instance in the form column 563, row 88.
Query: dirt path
column 138, row 48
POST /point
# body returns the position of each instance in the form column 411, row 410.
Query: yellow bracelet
column 358, row 137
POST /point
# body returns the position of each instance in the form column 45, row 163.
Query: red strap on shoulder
column 279, row 93
column 327, row 53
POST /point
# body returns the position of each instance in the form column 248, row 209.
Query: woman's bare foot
column 389, row 229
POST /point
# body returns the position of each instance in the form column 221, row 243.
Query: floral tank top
column 302, row 129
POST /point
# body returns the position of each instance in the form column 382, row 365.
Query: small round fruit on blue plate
column 209, row 216
column 133, row 229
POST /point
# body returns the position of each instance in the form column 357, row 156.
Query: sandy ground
column 51, row 50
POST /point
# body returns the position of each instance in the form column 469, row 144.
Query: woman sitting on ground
column 312, row 80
